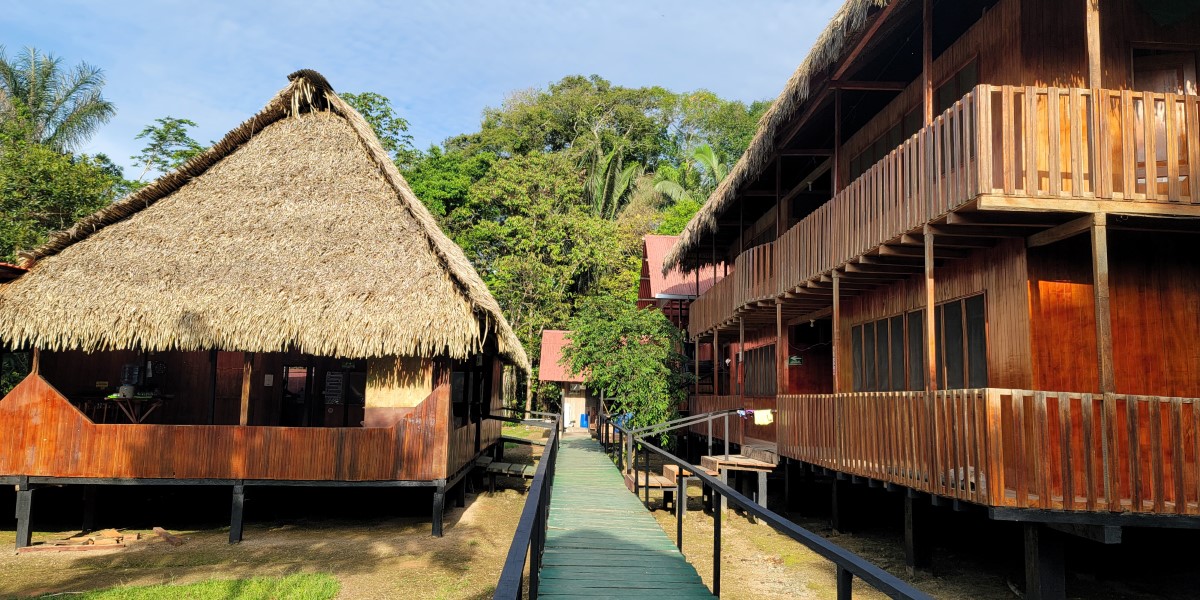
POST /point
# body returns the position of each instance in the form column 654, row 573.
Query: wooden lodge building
column 282, row 310
column 964, row 235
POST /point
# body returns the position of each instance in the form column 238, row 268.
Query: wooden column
column 741, row 357
column 837, row 331
column 716, row 352
column 236, row 513
column 696, row 384
column 918, row 552
column 1045, row 577
column 35, row 362
column 1104, row 343
column 212, row 382
column 930, row 315
column 835, row 175
column 1095, row 71
column 247, row 373
column 24, row 512
column 782, row 350
column 927, row 58
column 89, row 508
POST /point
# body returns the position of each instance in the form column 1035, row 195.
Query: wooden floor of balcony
column 1005, row 448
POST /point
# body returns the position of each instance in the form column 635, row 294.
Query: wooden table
column 137, row 409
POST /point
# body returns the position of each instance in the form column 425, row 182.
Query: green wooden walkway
column 601, row 542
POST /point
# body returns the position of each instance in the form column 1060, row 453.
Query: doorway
column 296, row 405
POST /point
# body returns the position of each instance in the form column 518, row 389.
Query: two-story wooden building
column 966, row 231
column 282, row 310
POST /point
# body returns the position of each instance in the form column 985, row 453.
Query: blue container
column 583, row 421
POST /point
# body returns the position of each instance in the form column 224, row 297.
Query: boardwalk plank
column 595, row 521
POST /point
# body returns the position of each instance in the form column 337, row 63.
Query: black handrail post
column 708, row 450
column 717, row 553
column 647, row 463
column 680, row 506
column 845, row 583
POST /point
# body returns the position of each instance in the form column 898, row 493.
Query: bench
column 503, row 469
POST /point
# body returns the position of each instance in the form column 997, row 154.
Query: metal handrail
column 529, row 541
column 626, row 441
column 849, row 565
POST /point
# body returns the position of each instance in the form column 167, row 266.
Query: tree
column 390, row 128
column 442, row 179
column 168, row 146
column 42, row 191
column 631, row 356
column 42, row 103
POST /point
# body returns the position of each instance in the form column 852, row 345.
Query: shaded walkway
column 601, row 542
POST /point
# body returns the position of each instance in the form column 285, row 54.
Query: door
column 297, row 396
column 1166, row 72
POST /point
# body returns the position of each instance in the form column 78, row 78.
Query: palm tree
column 41, row 102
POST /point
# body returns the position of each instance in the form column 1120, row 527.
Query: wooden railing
column 1039, row 144
column 752, row 279
column 1008, row 448
column 46, row 436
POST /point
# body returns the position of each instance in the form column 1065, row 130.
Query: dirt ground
column 378, row 545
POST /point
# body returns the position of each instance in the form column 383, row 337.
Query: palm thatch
column 830, row 46
column 295, row 231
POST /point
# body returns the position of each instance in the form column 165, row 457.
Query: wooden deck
column 601, row 542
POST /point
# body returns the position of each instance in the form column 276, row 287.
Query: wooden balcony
column 1008, row 448
column 1049, row 149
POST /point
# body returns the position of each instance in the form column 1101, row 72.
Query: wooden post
column 235, row 518
column 24, row 512
column 835, row 175
column 35, row 362
column 1095, row 71
column 89, row 508
column 741, row 358
column 918, row 552
column 927, row 58
column 716, row 352
column 1104, row 343
column 930, row 315
column 439, row 508
column 782, row 349
column 839, row 511
column 696, row 384
column 1045, row 577
column 247, row 373
column 212, row 380
column 837, row 331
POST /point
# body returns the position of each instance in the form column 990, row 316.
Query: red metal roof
column 9, row 272
column 549, row 369
column 675, row 284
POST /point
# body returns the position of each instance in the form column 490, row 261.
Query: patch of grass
column 301, row 586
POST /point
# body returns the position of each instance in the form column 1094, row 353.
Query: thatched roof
column 295, row 231
column 833, row 42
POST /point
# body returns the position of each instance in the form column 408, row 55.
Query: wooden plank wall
column 44, row 435
column 1124, row 24
column 1154, row 283
column 998, row 272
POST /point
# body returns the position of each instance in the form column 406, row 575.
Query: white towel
column 763, row 417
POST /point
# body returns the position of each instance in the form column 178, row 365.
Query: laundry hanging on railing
column 764, row 417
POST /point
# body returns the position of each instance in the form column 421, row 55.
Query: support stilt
column 24, row 509
column 460, row 494
column 1045, row 575
column 918, row 551
column 235, row 519
column 839, row 511
column 439, row 507
column 89, row 508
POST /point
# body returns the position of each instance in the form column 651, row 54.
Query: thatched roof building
column 845, row 26
column 295, row 231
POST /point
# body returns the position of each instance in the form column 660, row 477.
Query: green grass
column 303, row 586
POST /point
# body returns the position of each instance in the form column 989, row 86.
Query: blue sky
column 440, row 63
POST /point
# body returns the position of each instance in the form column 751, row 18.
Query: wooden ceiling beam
column 1059, row 233
column 869, row 86
column 801, row 153
column 860, row 45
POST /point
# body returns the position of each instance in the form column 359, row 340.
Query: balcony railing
column 1040, row 144
column 1008, row 448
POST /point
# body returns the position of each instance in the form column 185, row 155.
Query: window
column 957, row 86
column 890, row 140
column 469, row 389
column 760, row 371
column 888, row 354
